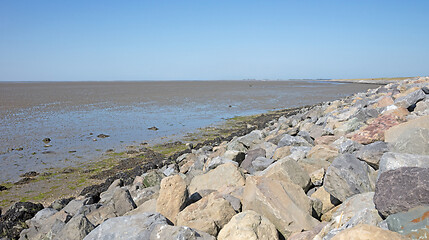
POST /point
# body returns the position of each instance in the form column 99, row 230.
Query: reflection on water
column 73, row 114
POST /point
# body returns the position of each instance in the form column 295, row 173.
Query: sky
column 212, row 40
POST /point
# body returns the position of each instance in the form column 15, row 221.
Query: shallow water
column 72, row 114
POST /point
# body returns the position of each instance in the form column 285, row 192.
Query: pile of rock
column 356, row 168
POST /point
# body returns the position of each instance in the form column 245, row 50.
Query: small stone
column 46, row 140
column 153, row 128
column 102, row 135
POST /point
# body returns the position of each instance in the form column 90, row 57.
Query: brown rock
column 209, row 214
column 323, row 152
column 367, row 232
column 283, row 203
column 281, row 152
column 172, row 197
column 223, row 175
column 248, row 225
column 325, row 140
column 325, row 198
column 384, row 102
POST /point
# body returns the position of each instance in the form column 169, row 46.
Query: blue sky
column 212, row 40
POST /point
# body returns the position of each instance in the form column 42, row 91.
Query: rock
column 13, row 221
column 46, row 140
column 235, row 156
column 148, row 206
column 248, row 225
column 422, row 108
column 251, row 139
column 107, row 195
column 375, row 130
column 311, row 165
column 414, row 141
column 410, row 99
column 401, row 189
column 325, row 140
column 384, row 102
column 349, row 146
column 348, row 176
column 170, row 170
column 153, row 128
column 394, row 133
column 142, row 195
column 261, row 163
column 209, row 214
column 281, row 152
column 372, row 153
column 328, row 202
column 413, row 224
column 167, row 232
column 317, row 177
column 223, row 175
column 123, row 202
column 283, row 203
column 236, row 145
column 290, row 171
column 133, row 227
column 215, row 162
column 77, row 228
column 356, row 210
column 367, row 232
column 152, row 178
column 306, row 136
column 172, row 197
column 42, row 215
column 392, row 161
column 103, row 135
column 60, row 203
column 250, row 157
column 298, row 153
column 323, row 152
column 308, row 235
column 288, row 140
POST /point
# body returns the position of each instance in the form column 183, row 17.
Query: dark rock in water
column 68, row 170
column 46, row 140
column 2, row 188
column 19, row 149
column 413, row 224
column 48, row 152
column 401, row 189
column 13, row 221
column 103, row 135
column 24, row 181
column 72, row 151
column 153, row 128
column 29, row 174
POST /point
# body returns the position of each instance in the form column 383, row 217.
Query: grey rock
column 251, row 139
column 42, row 215
column 401, row 189
column 134, row 227
column 392, row 161
column 288, row 140
column 213, row 163
column 75, row 205
column 348, row 176
column 107, row 195
column 372, row 153
column 261, row 163
column 410, row 99
column 415, row 140
column 251, row 156
column 170, row 170
column 306, row 136
column 152, row 178
column 298, row 153
column 123, row 202
column 236, row 145
column 288, row 170
column 77, row 228
column 235, row 202
column 142, row 195
column 167, row 232
column 413, row 223
column 349, row 146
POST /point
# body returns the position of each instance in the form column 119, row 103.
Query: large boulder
column 288, row 170
column 248, row 225
column 281, row 152
column 172, row 197
column 133, row 227
column 394, row 133
column 376, row 129
column 401, row 189
column 261, row 163
column 13, row 221
column 283, row 203
column 392, row 161
column 226, row 174
column 415, row 141
column 413, row 223
column 348, row 176
column 367, row 232
column 372, row 153
column 75, row 229
column 167, row 232
column 209, row 214
column 323, row 152
column 410, row 99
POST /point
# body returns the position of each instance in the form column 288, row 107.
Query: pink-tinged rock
column 375, row 130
